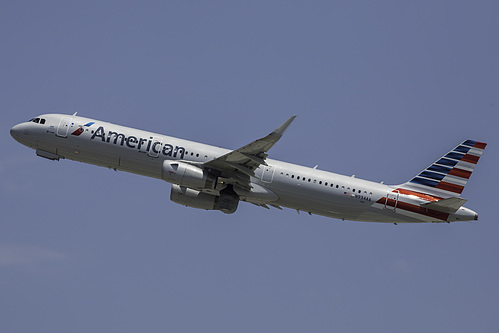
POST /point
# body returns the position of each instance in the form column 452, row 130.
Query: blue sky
column 381, row 90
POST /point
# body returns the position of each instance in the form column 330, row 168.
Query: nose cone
column 19, row 132
column 15, row 132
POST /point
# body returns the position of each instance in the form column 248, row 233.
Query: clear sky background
column 381, row 90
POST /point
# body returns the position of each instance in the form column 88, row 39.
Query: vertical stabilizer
column 448, row 176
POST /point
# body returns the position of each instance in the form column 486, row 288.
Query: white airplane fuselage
column 278, row 184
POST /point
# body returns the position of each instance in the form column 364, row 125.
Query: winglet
column 281, row 129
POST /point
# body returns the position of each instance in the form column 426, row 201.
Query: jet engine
column 226, row 202
column 187, row 175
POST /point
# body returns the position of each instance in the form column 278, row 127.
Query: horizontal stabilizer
column 449, row 205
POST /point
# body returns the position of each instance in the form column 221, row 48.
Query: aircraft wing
column 240, row 164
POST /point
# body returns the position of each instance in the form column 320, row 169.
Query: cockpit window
column 37, row 120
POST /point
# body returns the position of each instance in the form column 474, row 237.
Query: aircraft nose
column 18, row 131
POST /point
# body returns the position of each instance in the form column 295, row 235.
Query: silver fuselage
column 296, row 187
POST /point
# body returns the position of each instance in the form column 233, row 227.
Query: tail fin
column 448, row 176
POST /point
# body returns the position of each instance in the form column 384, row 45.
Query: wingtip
column 281, row 129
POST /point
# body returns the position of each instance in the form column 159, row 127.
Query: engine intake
column 187, row 175
column 226, row 202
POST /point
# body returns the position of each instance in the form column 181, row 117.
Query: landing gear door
column 63, row 128
column 392, row 199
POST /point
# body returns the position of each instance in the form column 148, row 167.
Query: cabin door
column 63, row 128
column 155, row 148
column 268, row 173
column 392, row 199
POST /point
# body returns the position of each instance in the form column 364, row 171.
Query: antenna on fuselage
column 74, row 114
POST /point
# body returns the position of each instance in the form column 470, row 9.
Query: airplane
column 213, row 178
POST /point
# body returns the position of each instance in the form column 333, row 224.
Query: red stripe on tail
column 480, row 145
column 460, row 173
column 470, row 158
column 450, row 187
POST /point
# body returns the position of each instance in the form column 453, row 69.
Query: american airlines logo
column 80, row 129
column 143, row 145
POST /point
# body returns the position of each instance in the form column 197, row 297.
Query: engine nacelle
column 226, row 202
column 187, row 175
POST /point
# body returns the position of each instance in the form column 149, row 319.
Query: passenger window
column 309, row 180
column 320, row 182
column 292, row 176
column 298, row 177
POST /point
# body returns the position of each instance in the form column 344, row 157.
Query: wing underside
column 237, row 166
